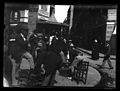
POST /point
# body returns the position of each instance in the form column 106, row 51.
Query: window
column 14, row 16
column 112, row 16
column 44, row 10
column 24, row 16
column 19, row 16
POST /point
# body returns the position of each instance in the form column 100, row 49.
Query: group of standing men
column 37, row 51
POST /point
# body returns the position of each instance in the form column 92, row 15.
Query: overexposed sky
column 61, row 12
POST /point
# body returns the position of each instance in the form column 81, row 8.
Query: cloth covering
column 27, row 63
column 24, row 64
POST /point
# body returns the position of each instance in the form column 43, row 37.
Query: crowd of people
column 36, row 54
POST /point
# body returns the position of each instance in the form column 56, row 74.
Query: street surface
column 108, row 75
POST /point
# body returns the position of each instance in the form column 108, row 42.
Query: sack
column 30, row 59
column 24, row 64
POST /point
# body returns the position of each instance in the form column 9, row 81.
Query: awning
column 53, row 23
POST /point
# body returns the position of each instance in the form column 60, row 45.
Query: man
column 16, row 49
column 107, row 56
column 18, row 45
column 60, row 48
column 51, row 62
column 33, row 43
column 72, row 52
column 40, row 47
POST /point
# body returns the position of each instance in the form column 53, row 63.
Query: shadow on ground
column 106, row 81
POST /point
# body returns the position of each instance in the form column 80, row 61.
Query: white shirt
column 23, row 36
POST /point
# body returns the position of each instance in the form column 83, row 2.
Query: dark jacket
column 18, row 47
column 107, row 49
column 58, row 46
column 50, row 60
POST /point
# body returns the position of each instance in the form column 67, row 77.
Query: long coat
column 17, row 47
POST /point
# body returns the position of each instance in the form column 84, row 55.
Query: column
column 32, row 19
column 71, row 17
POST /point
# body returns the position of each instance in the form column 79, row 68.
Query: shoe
column 100, row 66
column 111, row 67
column 55, row 81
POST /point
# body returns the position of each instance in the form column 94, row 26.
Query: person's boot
column 111, row 67
column 101, row 66
column 110, row 64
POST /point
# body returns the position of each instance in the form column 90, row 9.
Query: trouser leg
column 49, row 80
column 46, row 81
column 14, row 81
column 104, row 61
column 52, row 79
column 109, row 63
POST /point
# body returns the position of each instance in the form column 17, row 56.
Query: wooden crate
column 80, row 72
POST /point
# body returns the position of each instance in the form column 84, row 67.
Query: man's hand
column 63, row 57
column 43, row 70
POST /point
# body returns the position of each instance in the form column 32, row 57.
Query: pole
column 71, row 17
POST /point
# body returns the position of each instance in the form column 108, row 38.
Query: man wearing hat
column 107, row 56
